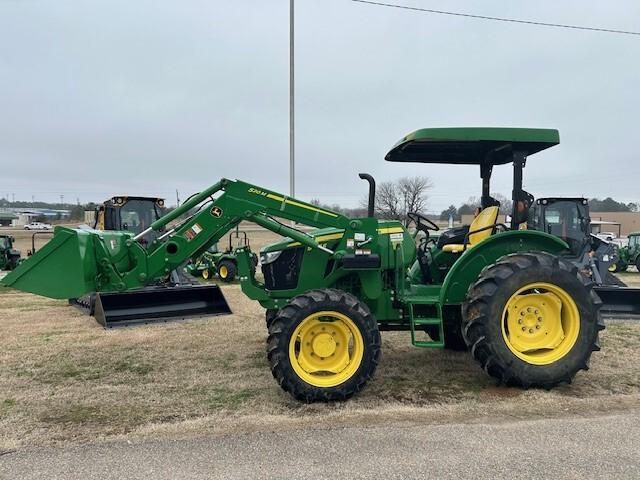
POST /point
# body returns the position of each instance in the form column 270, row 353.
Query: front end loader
column 528, row 316
column 174, row 297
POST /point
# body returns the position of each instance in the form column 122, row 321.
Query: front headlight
column 269, row 257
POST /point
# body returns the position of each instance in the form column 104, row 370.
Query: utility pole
column 61, row 199
column 292, row 145
column 177, row 198
column 33, row 199
column 13, row 198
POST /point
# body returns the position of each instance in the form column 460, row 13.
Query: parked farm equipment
column 530, row 318
column 568, row 219
column 224, row 263
column 9, row 256
column 628, row 254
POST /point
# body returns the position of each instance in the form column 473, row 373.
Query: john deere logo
column 216, row 212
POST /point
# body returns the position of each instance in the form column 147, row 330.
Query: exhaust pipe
column 372, row 193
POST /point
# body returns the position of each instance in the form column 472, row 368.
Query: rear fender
column 467, row 268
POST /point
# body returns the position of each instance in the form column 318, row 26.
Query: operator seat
column 480, row 225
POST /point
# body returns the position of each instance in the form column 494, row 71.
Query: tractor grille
column 283, row 273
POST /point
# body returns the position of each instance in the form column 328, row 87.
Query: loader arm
column 237, row 201
column 93, row 261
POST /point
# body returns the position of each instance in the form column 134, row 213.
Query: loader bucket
column 64, row 268
column 619, row 301
column 159, row 304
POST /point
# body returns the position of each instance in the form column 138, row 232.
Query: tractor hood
column 320, row 235
column 471, row 146
column 324, row 235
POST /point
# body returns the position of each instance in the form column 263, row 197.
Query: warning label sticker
column 193, row 231
column 396, row 237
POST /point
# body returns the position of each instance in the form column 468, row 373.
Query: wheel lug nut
column 531, row 330
column 537, row 327
column 539, row 319
column 522, row 313
column 524, row 329
column 537, row 311
column 528, row 309
column 520, row 321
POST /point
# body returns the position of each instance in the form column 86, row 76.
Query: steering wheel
column 422, row 223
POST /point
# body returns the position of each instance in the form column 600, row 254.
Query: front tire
column 532, row 320
column 324, row 345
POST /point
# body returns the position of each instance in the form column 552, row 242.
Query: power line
column 498, row 19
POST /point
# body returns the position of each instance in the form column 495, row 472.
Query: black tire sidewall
column 231, row 270
column 285, row 324
column 564, row 367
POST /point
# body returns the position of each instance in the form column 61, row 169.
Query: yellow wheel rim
column 540, row 323
column 613, row 267
column 205, row 273
column 326, row 349
column 224, row 271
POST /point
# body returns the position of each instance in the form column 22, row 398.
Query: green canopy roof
column 7, row 216
column 471, row 146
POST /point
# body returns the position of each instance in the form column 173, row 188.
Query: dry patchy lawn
column 64, row 379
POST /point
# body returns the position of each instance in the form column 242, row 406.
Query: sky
column 149, row 97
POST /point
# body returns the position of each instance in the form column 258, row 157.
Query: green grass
column 223, row 398
column 6, row 405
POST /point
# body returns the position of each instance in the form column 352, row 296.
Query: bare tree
column 414, row 193
column 395, row 199
column 388, row 201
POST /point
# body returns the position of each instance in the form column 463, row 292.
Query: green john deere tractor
column 528, row 316
column 9, row 256
column 224, row 263
column 628, row 255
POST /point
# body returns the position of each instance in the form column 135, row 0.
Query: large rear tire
column 324, row 345
column 532, row 320
column 269, row 315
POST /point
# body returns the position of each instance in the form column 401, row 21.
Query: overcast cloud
column 146, row 97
